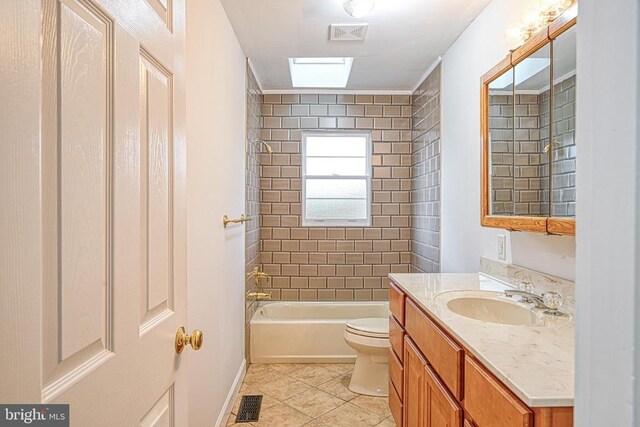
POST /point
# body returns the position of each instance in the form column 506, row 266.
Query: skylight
column 316, row 61
column 320, row 72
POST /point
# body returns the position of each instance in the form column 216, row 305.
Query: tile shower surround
column 425, row 176
column 252, row 196
column 335, row 263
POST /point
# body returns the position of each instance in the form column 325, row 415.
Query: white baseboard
column 304, row 359
column 231, row 397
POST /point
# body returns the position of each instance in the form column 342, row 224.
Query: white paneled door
column 92, row 199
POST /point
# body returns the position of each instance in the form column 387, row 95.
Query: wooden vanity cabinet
column 396, row 303
column 396, row 337
column 441, row 410
column 427, row 402
column 396, row 354
column 396, row 372
column 395, row 405
column 414, row 386
column 436, row 382
column 489, row 402
column 442, row 352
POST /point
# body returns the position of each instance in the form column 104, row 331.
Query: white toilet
column 370, row 339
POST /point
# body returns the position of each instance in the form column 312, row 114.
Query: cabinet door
column 489, row 402
column 441, row 410
column 414, row 386
column 395, row 405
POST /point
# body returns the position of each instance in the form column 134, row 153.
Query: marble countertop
column 535, row 362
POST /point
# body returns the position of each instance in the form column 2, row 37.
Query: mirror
column 531, row 134
column 528, row 132
column 501, row 143
column 519, row 137
column 564, row 125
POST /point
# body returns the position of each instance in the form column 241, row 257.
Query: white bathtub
column 307, row 332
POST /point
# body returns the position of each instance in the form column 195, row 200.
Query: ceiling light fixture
column 358, row 8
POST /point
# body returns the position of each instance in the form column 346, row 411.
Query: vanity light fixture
column 358, row 8
column 534, row 21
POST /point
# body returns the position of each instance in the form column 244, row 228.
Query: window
column 336, row 179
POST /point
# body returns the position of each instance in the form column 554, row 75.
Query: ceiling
column 405, row 37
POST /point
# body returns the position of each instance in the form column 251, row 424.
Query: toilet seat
column 369, row 327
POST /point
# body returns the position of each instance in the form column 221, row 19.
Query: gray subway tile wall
column 425, row 176
column 519, row 170
column 502, row 156
column 343, row 263
column 564, row 148
column 252, row 196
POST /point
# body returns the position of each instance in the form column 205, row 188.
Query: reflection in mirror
column 564, row 144
column 501, row 144
column 531, row 134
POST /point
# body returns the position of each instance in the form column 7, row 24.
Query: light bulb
column 514, row 36
column 358, row 8
column 556, row 4
column 549, row 4
column 531, row 20
column 514, row 32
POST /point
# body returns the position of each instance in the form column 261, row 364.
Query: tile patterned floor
column 311, row 395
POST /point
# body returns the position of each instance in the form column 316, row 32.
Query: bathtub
column 306, row 332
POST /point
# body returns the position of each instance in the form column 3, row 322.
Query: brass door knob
column 182, row 339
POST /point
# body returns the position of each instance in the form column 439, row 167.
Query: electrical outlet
column 502, row 246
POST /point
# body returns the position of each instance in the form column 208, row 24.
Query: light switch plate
column 502, row 247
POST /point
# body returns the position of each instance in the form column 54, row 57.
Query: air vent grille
column 249, row 408
column 348, row 32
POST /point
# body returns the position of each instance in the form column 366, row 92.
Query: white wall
column 478, row 49
column 608, row 293
column 215, row 173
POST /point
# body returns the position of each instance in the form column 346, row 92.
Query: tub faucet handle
column 260, row 275
column 257, row 275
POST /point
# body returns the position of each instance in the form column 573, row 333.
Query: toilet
column 370, row 339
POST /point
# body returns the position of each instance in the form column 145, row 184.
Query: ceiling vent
column 348, row 32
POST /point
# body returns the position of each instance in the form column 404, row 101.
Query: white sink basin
column 494, row 310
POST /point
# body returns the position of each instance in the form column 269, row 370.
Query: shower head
column 267, row 147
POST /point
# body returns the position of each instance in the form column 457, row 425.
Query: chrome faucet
column 550, row 301
column 528, row 297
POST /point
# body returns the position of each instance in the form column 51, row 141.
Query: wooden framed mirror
column 528, row 134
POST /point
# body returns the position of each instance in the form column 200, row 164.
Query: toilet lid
column 372, row 327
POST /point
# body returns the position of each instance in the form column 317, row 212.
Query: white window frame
column 335, row 222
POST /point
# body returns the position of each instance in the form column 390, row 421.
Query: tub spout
column 259, row 296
